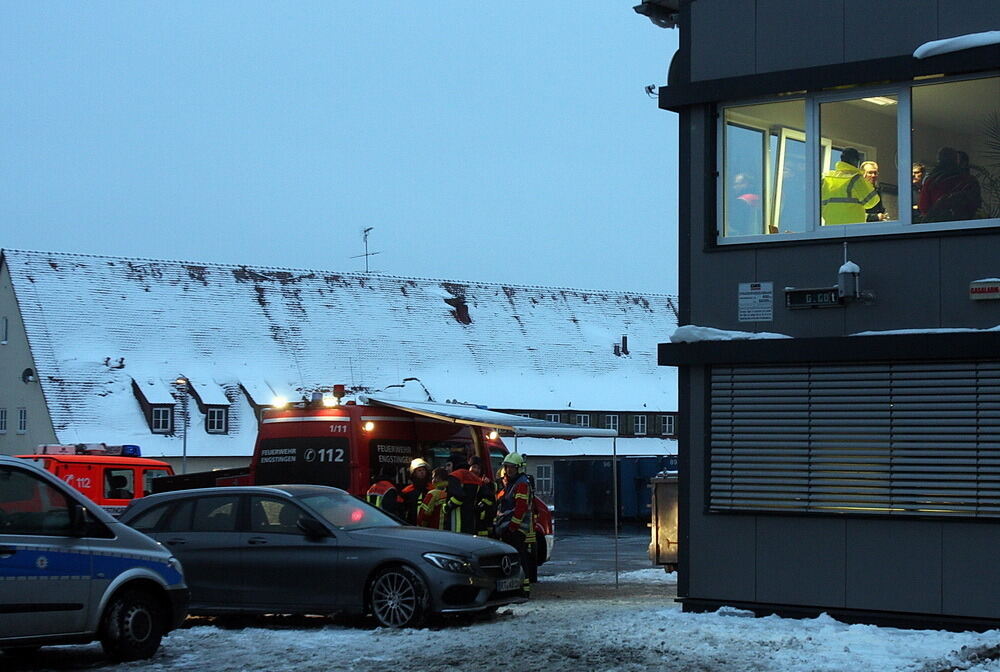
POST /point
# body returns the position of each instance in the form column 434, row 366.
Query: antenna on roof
column 364, row 236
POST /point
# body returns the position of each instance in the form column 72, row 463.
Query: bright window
column 804, row 167
column 543, row 479
column 639, row 425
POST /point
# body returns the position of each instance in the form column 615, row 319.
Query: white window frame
column 22, row 420
column 217, row 420
column 161, row 419
column 667, row 425
column 815, row 159
column 552, row 417
column 639, row 425
column 3, row 420
column 543, row 478
column 611, row 421
column 583, row 419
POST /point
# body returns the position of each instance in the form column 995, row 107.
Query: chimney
column 624, row 344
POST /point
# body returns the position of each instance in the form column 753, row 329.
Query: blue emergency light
column 131, row 450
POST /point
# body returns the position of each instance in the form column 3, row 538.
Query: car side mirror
column 78, row 524
column 312, row 527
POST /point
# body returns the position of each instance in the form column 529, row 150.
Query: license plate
column 503, row 585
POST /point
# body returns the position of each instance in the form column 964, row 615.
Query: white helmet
column 417, row 464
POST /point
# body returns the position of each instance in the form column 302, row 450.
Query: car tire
column 133, row 626
column 398, row 598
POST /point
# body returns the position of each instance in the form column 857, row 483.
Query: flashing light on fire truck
column 368, row 426
column 279, row 402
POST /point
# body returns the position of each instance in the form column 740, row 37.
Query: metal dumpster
column 663, row 525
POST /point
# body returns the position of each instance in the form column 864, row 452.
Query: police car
column 70, row 573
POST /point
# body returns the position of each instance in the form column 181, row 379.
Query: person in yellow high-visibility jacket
column 844, row 192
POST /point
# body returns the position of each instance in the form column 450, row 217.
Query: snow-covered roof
column 957, row 43
column 96, row 323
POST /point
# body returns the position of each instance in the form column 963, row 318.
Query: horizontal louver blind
column 899, row 438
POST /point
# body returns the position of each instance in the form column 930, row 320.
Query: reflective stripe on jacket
column 429, row 511
column 845, row 195
column 383, row 495
column 515, row 509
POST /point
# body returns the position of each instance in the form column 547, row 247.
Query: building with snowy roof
column 92, row 347
column 839, row 225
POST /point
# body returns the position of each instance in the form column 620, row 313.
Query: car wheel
column 398, row 598
column 133, row 626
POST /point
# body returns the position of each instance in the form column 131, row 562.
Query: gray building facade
column 851, row 465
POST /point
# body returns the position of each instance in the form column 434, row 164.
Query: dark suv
column 310, row 549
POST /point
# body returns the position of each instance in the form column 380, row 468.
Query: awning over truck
column 481, row 417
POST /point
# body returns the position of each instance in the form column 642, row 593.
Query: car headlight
column 449, row 563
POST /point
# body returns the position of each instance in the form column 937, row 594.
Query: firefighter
column 384, row 494
column 413, row 493
column 515, row 521
column 486, row 509
column 463, row 494
column 430, row 511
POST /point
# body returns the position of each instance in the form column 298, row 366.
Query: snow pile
column 691, row 333
column 952, row 44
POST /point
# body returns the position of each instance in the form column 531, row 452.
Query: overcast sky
column 505, row 142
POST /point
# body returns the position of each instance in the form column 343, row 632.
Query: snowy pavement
column 575, row 622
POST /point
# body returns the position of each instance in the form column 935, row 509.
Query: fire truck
column 325, row 442
column 110, row 475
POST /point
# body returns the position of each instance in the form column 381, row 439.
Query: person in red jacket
column 413, row 493
column 384, row 495
column 463, row 494
column 430, row 512
column 515, row 521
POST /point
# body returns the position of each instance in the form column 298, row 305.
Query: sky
column 501, row 142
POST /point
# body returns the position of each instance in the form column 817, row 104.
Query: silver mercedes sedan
column 311, row 549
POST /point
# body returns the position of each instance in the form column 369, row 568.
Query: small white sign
column 756, row 302
column 980, row 290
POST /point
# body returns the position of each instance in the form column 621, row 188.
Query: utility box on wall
column 583, row 488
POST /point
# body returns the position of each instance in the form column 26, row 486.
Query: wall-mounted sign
column 984, row 289
column 756, row 302
column 824, row 297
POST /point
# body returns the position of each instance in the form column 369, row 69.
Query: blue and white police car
column 70, row 573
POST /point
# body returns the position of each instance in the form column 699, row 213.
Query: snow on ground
column 576, row 622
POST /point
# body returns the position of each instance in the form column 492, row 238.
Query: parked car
column 313, row 549
column 70, row 573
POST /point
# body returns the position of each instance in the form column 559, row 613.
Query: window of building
column 583, row 419
column 216, row 420
column 552, row 417
column 611, row 422
column 3, row 420
column 543, row 480
column 667, row 425
column 3, row 331
column 22, row 420
column 785, row 172
column 639, row 425
column 163, row 419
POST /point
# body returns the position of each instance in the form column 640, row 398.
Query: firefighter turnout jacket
column 514, row 512
column 463, row 495
column 384, row 495
column 430, row 511
column 845, row 195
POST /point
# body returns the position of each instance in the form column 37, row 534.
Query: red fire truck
column 111, row 476
column 343, row 445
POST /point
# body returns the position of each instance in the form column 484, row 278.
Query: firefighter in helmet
column 515, row 521
column 413, row 493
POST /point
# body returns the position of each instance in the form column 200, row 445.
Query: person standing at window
column 844, row 194
column 877, row 212
column 950, row 192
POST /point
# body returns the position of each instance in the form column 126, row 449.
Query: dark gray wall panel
column 715, row 294
column 794, row 34
column 904, row 275
column 890, row 27
column 964, row 259
column 811, row 266
column 894, row 565
column 971, row 587
column 801, row 561
column 723, row 549
column 722, row 38
column 958, row 17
